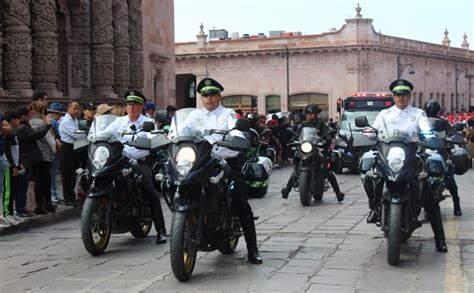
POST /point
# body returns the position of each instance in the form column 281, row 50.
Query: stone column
column 17, row 53
column 1, row 51
column 45, row 46
column 102, row 48
column 121, row 51
column 78, row 43
column 136, row 43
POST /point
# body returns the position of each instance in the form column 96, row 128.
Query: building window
column 443, row 102
column 413, row 102
column 240, row 102
column 273, row 104
column 298, row 103
column 452, row 103
column 420, row 100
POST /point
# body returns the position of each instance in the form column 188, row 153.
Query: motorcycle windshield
column 309, row 134
column 184, row 124
column 98, row 129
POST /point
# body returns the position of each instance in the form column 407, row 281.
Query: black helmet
column 460, row 159
column 312, row 108
column 432, row 108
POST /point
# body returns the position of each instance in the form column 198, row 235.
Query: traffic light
column 339, row 105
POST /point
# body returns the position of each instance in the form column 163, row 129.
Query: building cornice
column 444, row 55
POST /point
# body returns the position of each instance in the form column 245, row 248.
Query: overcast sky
column 423, row 20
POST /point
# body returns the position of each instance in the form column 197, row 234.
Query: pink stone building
column 323, row 67
column 90, row 50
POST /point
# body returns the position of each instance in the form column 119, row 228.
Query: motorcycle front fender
column 182, row 205
column 102, row 192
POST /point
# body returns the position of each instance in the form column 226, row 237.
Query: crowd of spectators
column 36, row 145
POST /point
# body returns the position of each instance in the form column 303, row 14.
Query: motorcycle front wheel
column 304, row 186
column 394, row 234
column 95, row 230
column 183, row 248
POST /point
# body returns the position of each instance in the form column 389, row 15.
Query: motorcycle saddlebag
column 258, row 171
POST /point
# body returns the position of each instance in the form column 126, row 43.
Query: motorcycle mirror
column 148, row 126
column 242, row 125
column 361, row 121
column 458, row 127
column 161, row 116
column 82, row 125
column 438, row 125
column 457, row 139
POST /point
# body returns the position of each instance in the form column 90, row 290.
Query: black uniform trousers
column 241, row 204
column 327, row 172
column 68, row 163
column 150, row 193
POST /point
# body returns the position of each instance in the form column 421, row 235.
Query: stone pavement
column 326, row 247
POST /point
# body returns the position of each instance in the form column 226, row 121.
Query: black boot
column 248, row 225
column 438, row 229
column 457, row 206
column 291, row 182
column 161, row 236
column 333, row 181
column 453, row 190
column 372, row 218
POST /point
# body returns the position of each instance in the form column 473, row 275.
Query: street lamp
column 401, row 67
column 286, row 54
column 467, row 75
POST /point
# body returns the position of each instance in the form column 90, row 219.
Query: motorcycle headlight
column 100, row 157
column 306, row 147
column 185, row 159
column 396, row 158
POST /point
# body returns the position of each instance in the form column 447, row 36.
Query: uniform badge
column 207, row 82
column 412, row 118
column 132, row 93
column 221, row 120
column 400, row 82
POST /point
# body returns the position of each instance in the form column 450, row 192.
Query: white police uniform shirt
column 122, row 124
column 409, row 120
column 220, row 118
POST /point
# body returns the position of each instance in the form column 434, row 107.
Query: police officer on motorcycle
column 214, row 115
column 312, row 120
column 432, row 109
column 403, row 117
column 135, row 100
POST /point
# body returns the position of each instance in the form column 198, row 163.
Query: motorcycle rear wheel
column 141, row 228
column 394, row 234
column 95, row 230
column 229, row 245
column 304, row 183
column 183, row 249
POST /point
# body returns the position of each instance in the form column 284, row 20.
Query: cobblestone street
column 327, row 247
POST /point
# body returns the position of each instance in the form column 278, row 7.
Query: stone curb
column 62, row 213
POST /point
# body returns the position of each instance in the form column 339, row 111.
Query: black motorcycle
column 399, row 179
column 203, row 217
column 311, row 180
column 114, row 201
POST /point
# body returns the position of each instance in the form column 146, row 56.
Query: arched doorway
column 272, row 104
